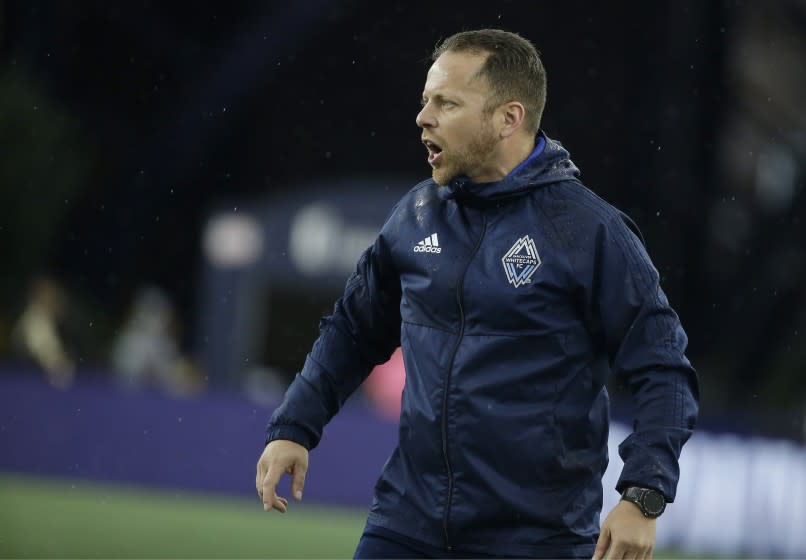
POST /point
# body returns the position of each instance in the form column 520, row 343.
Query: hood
column 548, row 163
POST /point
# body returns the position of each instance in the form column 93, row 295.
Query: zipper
column 459, row 288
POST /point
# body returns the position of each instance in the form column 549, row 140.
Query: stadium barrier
column 737, row 495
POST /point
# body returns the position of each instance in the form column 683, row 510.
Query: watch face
column 654, row 503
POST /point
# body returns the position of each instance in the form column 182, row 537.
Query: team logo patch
column 521, row 261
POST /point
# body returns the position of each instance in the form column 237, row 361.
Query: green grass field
column 47, row 518
column 76, row 519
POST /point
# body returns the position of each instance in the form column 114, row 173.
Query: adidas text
column 428, row 245
column 425, row 249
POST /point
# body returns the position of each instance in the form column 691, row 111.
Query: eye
column 448, row 104
column 423, row 101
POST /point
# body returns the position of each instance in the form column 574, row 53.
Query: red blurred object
column 384, row 386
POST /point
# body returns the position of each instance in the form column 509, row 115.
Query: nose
column 425, row 118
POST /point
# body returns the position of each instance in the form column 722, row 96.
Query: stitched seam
column 429, row 327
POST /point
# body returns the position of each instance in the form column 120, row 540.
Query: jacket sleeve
column 362, row 331
column 646, row 345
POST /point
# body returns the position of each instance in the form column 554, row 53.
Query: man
column 514, row 292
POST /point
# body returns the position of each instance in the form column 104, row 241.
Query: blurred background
column 185, row 189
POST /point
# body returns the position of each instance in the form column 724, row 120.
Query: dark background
column 122, row 124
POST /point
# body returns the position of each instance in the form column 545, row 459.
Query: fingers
column 623, row 551
column 278, row 458
column 259, row 479
column 619, row 552
column 279, row 503
column 269, row 490
column 298, row 480
column 274, row 502
column 602, row 545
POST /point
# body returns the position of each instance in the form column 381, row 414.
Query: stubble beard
column 467, row 160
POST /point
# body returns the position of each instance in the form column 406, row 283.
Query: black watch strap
column 651, row 502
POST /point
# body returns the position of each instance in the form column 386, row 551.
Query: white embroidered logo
column 521, row 261
column 428, row 245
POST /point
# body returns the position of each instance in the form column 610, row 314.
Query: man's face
column 457, row 132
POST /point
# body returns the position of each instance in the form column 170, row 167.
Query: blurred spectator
column 38, row 335
column 147, row 352
column 384, row 386
column 757, row 246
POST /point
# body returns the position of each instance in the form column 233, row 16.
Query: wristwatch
column 651, row 502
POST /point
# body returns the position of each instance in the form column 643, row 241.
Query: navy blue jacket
column 513, row 303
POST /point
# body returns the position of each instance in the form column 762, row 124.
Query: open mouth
column 434, row 151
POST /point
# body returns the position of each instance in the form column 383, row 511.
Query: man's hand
column 627, row 533
column 280, row 456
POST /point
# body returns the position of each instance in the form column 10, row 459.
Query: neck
column 509, row 153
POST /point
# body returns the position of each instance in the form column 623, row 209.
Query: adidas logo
column 428, row 245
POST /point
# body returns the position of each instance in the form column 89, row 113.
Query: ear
column 511, row 118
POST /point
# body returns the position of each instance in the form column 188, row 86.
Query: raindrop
column 224, row 110
column 657, row 213
column 179, row 419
